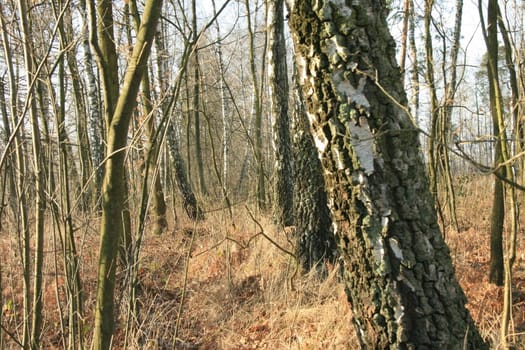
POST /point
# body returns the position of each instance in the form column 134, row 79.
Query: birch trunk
column 397, row 269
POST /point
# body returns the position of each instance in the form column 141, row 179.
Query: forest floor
column 243, row 292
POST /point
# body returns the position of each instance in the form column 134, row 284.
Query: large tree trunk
column 398, row 272
column 278, row 82
column 315, row 240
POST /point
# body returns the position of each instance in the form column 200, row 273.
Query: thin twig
column 284, row 250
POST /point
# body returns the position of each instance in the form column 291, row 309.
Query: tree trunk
column 20, row 154
column 86, row 164
column 38, row 168
column 119, row 106
column 191, row 207
column 225, row 110
column 398, row 272
column 260, row 182
column 496, row 272
column 414, row 70
column 71, row 257
column 315, row 240
column 278, row 83
column 94, row 107
column 189, row 202
column 158, row 204
column 196, row 102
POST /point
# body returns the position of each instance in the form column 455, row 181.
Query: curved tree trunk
column 398, row 272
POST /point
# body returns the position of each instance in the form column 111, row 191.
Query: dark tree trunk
column 278, row 82
column 315, row 238
column 189, row 202
column 398, row 272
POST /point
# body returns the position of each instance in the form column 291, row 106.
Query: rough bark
column 496, row 272
column 315, row 240
column 189, row 202
column 278, row 83
column 397, row 269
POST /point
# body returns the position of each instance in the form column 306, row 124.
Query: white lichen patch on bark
column 379, row 255
column 399, row 312
column 339, row 159
column 352, row 93
column 384, row 224
column 320, row 140
column 301, row 71
column 394, row 245
column 363, row 144
column 335, row 46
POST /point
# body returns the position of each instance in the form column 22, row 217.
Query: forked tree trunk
column 119, row 106
column 397, row 269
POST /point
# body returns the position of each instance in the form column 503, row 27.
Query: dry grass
column 242, row 293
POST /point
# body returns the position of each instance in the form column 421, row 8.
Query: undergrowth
column 238, row 290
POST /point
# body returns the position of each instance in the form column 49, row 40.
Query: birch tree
column 398, row 272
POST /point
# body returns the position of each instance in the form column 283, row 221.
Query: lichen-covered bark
column 398, row 273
